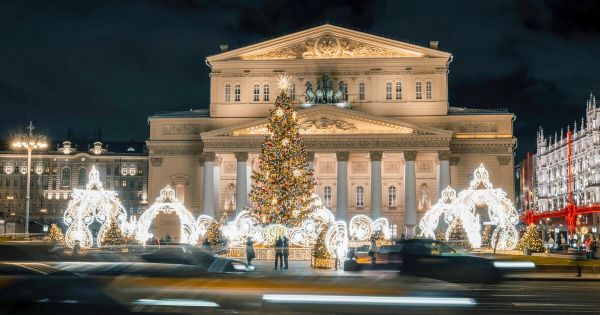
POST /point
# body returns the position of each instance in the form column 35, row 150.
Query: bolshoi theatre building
column 374, row 114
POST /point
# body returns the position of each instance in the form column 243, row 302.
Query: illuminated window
column 361, row 91
column 132, row 170
column 256, row 92
column 360, row 196
column 266, row 92
column 419, row 90
column 327, row 196
column 388, row 91
column 237, row 91
column 398, row 90
column 124, row 183
column 292, row 91
column 82, row 177
column 227, row 92
column 392, row 196
column 344, row 87
column 65, row 179
column 428, row 90
column 123, row 170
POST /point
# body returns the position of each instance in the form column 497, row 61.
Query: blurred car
column 434, row 259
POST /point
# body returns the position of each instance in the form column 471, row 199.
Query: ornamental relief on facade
column 175, row 150
column 424, row 166
column 180, row 129
column 326, row 125
column 392, row 167
column 359, row 167
column 328, row 46
column 327, row 167
column 477, row 127
column 229, row 167
column 482, row 148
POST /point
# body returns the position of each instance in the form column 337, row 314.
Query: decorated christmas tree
column 532, row 240
column 282, row 185
column 486, row 238
column 320, row 253
column 55, row 234
column 213, row 233
column 113, row 236
column 457, row 235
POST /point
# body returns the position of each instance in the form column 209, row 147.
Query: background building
column 123, row 167
column 385, row 144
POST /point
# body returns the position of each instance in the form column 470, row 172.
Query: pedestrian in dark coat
column 279, row 252
column 250, row 250
column 286, row 251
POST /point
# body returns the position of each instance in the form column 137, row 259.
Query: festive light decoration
column 481, row 192
column 167, row 203
column 113, row 235
column 336, row 240
column 457, row 234
column 55, row 234
column 282, row 184
column 85, row 206
column 362, row 227
column 486, row 238
column 531, row 240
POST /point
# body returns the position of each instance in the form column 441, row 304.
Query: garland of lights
column 85, row 206
column 167, row 203
column 501, row 211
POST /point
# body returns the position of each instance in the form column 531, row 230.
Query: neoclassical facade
column 382, row 142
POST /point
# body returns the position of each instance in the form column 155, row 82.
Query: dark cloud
column 109, row 64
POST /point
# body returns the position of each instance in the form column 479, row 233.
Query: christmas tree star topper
column 283, row 81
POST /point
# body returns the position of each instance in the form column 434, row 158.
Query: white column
column 454, row 171
column 217, row 184
column 342, row 186
column 376, row 184
column 241, row 184
column 444, row 171
column 410, row 192
column 208, row 184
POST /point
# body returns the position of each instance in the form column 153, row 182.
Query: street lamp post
column 30, row 142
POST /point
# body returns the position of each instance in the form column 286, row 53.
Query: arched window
column 227, row 92
column 266, row 92
column 82, row 178
column 327, row 196
column 388, row 90
column 419, row 90
column 392, row 196
column 344, row 87
column 428, row 90
column 361, row 91
column 398, row 90
column 360, row 196
column 238, row 91
column 65, row 178
column 256, row 93
column 292, row 91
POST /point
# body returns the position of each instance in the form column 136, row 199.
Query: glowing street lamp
column 29, row 142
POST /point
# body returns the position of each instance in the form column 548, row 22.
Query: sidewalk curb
column 549, row 279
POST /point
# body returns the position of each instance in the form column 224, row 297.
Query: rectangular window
column 266, row 92
column 124, row 183
column 227, row 92
column 292, row 92
column 388, row 91
column 398, row 90
column 361, row 91
column 360, row 196
column 428, row 90
column 237, row 92
column 419, row 90
column 256, row 93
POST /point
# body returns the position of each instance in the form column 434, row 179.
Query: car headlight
column 239, row 267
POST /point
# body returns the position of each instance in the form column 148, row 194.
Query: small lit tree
column 378, row 237
column 55, row 234
column 113, row 236
column 486, row 238
column 320, row 254
column 214, row 234
column 457, row 235
column 532, row 240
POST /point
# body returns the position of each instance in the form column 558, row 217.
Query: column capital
column 342, row 156
column 310, row 156
column 444, row 155
column 504, row 159
column 376, row 155
column 241, row 156
column 410, row 155
column 209, row 156
column 454, row 160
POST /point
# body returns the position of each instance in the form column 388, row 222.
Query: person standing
column 285, row 251
column 372, row 251
column 279, row 252
column 250, row 251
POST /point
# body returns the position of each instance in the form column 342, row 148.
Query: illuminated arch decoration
column 167, row 203
column 87, row 205
column 202, row 224
column 481, row 192
column 430, row 219
column 336, row 240
column 362, row 227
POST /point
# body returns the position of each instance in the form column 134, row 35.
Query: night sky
column 110, row 64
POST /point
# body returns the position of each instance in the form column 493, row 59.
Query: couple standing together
column 282, row 252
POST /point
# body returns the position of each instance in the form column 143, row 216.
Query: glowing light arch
column 87, row 205
column 166, row 202
column 481, row 192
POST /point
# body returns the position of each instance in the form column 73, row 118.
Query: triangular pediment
column 327, row 120
column 329, row 41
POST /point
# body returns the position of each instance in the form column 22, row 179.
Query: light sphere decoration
column 481, row 192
